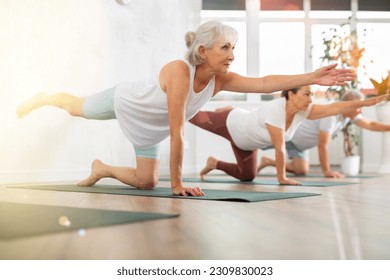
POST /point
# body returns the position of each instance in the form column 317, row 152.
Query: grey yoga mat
column 222, row 195
column 19, row 220
column 261, row 182
column 314, row 175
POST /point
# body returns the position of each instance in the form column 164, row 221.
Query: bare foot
column 265, row 161
column 96, row 174
column 210, row 165
column 33, row 103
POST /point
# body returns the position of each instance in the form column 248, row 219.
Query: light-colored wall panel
column 79, row 47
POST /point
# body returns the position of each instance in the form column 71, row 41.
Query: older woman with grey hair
column 150, row 111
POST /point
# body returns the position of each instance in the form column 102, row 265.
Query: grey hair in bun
column 207, row 35
column 190, row 38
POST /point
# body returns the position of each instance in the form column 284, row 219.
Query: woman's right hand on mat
column 185, row 191
column 288, row 182
column 333, row 174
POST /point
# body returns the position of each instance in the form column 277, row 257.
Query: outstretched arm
column 323, row 154
column 372, row 125
column 325, row 76
column 320, row 111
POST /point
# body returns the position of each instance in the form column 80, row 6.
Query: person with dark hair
column 269, row 124
column 150, row 111
column 319, row 133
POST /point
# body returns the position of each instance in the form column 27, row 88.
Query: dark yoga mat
column 21, row 220
column 260, row 182
column 221, row 195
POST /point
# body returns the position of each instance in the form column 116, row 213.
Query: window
column 376, row 44
column 318, row 32
column 329, row 5
column 223, row 5
column 281, row 5
column 282, row 48
column 374, row 5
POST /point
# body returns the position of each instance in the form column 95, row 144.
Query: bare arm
column 277, row 138
column 320, row 111
column 372, row 125
column 175, row 79
column 326, row 76
column 323, row 154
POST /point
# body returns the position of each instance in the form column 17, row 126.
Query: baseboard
column 36, row 176
column 20, row 177
column 370, row 168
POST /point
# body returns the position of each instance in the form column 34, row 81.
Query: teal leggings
column 100, row 106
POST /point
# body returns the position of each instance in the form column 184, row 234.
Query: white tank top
column 249, row 128
column 142, row 109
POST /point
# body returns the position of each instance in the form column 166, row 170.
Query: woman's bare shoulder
column 176, row 64
column 175, row 68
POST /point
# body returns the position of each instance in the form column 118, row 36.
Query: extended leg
column 98, row 106
column 72, row 104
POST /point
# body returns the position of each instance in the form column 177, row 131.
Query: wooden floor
column 345, row 222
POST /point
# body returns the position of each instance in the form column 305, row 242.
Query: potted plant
column 381, row 88
column 342, row 48
column 350, row 164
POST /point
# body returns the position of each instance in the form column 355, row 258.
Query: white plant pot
column 350, row 165
column 383, row 115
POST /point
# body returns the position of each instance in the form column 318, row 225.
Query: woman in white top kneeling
column 271, row 123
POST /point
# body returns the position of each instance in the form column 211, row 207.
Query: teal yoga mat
column 19, row 220
column 221, row 195
column 261, row 182
column 359, row 176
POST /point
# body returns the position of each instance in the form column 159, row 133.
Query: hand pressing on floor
column 187, row 191
column 287, row 181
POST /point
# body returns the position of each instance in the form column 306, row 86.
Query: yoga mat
column 22, row 220
column 359, row 176
column 261, row 182
column 221, row 195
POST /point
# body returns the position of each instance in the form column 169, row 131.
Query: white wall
column 79, row 47
column 371, row 144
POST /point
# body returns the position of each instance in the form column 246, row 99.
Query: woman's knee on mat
column 247, row 175
column 247, row 178
column 301, row 170
column 147, row 182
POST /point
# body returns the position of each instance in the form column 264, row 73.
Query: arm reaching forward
column 320, row 111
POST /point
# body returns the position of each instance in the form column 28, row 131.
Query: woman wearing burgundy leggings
column 271, row 123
